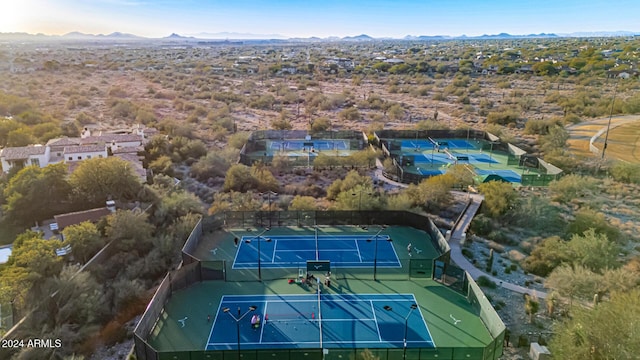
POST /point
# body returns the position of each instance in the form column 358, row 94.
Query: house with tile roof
column 22, row 156
column 69, row 150
column 84, row 152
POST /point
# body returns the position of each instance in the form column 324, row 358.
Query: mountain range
column 275, row 37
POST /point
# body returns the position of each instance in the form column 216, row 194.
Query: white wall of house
column 85, row 155
column 41, row 160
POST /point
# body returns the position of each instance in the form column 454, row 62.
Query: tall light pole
column 406, row 326
column 375, row 251
column 237, row 320
column 360, row 197
column 269, row 194
column 606, row 137
column 257, row 239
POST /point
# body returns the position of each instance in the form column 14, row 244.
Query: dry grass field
column 624, row 138
column 623, row 142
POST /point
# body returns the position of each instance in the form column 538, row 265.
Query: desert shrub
column 503, row 117
column 484, row 281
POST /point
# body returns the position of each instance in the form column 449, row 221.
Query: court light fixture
column 386, row 307
column 237, row 320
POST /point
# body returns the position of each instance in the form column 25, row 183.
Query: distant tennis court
column 326, row 321
column 292, row 251
column 300, row 145
column 441, row 143
column 508, row 175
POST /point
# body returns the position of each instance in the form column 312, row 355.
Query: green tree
column 85, row 240
column 96, row 180
column 238, row 139
column 7, row 126
column 130, row 230
column 537, row 213
column 210, row 166
column 609, row 331
column 264, row 179
column 432, row 193
column 79, row 299
column 174, row 205
column 499, row 197
column 239, row 178
column 35, row 193
column 544, row 68
column 162, row 165
column 350, row 113
column 401, row 201
column 36, row 255
column 348, row 184
column 531, row 306
column 396, row 112
column 20, row 137
column 320, row 124
column 593, row 251
column 234, row 201
column 546, row 256
column 304, row 203
column 573, row 282
column 555, row 139
column 586, row 219
column 626, row 172
column 359, row 198
column 571, row 187
column 430, row 125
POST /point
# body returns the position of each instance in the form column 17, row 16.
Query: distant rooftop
column 23, row 152
column 78, row 217
column 83, row 149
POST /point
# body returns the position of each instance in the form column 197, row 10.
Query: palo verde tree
column 35, row 193
column 608, row 331
column 97, row 180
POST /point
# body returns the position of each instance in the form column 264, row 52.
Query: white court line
column 275, row 245
column 214, row 323
column 358, row 247
column 316, row 300
column 305, row 250
column 317, row 342
column 374, row 316
column 341, row 264
column 423, row 320
column 263, row 323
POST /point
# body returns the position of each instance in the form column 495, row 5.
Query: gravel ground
column 508, row 304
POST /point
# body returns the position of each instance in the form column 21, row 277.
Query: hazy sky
column 293, row 18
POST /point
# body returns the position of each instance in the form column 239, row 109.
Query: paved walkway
column 460, row 260
column 456, row 237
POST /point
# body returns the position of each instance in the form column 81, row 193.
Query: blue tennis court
column 430, row 172
column 293, row 251
column 508, row 175
column 298, row 145
column 475, row 158
column 435, row 158
column 423, row 144
column 325, row 321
